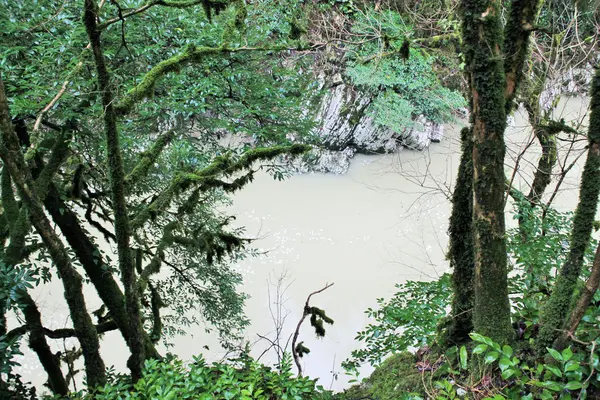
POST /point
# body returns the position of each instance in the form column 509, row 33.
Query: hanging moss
column 207, row 177
column 317, row 318
column 148, row 158
column 556, row 310
column 302, row 350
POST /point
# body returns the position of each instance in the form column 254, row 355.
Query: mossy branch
column 221, row 166
column 191, row 54
column 148, row 158
column 316, row 322
column 428, row 41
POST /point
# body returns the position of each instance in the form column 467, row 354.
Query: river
column 382, row 223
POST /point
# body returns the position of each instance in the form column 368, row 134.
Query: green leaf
column 551, row 385
column 554, row 370
column 504, row 363
column 507, row 351
column 508, row 373
column 572, row 366
column 480, row 348
column 555, row 354
column 491, row 357
column 463, row 357
column 573, row 385
column 567, row 354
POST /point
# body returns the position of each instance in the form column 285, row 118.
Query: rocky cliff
column 346, row 126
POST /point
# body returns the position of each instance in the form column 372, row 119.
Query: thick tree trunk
column 86, row 332
column 461, row 253
column 587, row 294
column 555, row 312
column 117, row 183
column 482, row 34
column 33, row 318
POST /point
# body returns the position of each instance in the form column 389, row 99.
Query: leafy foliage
column 241, row 379
column 537, row 247
column 408, row 319
column 563, row 374
column 404, row 89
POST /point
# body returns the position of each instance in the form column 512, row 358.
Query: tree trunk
column 556, row 310
column 461, row 252
column 587, row 294
column 38, row 343
column 117, row 183
column 517, row 32
column 86, row 332
column 103, row 281
column 482, row 34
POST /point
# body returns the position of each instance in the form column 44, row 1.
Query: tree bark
column 38, row 343
column 587, row 294
column 33, row 318
column 543, row 172
column 88, row 255
column 517, row 32
column 117, row 183
column 555, row 312
column 461, row 253
column 482, row 34
column 12, row 156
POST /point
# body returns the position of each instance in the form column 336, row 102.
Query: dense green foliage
column 240, row 379
column 403, row 89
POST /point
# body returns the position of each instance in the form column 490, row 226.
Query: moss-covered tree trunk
column 461, row 253
column 484, row 59
column 516, row 45
column 586, row 297
column 556, row 310
column 117, row 184
column 12, row 156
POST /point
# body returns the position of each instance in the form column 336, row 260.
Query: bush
column 239, row 379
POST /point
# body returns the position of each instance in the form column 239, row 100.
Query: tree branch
column 192, row 54
column 305, row 313
column 222, row 165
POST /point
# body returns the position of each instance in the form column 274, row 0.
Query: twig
column 297, row 331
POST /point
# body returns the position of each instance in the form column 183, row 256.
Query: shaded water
column 382, row 223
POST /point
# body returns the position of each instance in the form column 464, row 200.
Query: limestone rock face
column 346, row 127
column 344, row 121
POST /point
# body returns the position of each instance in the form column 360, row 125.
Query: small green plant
column 409, row 318
column 562, row 375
